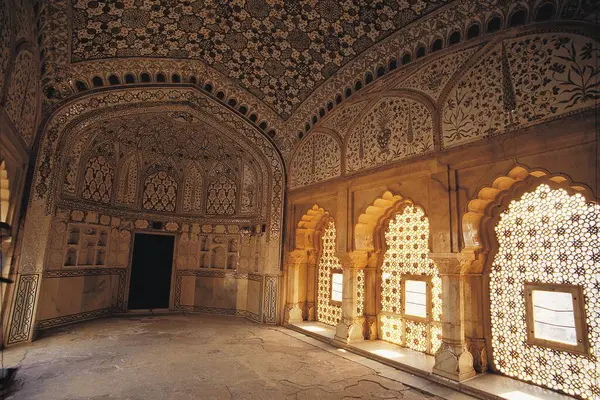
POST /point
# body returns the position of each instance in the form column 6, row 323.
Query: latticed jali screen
column 328, row 312
column 407, row 248
column 546, row 236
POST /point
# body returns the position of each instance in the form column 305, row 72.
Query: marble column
column 371, row 297
column 296, row 265
column 453, row 360
column 311, row 285
column 350, row 328
column 476, row 298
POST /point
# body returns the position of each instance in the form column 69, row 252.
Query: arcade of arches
column 421, row 174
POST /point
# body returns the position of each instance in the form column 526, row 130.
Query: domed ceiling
column 279, row 50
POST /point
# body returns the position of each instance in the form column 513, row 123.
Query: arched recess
column 50, row 209
column 409, row 286
column 317, row 158
column 538, row 233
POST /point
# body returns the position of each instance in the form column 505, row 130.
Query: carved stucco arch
column 365, row 238
column 477, row 221
column 310, row 228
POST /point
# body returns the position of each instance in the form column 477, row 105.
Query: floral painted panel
column 553, row 75
column 221, row 196
column 160, row 192
column 522, row 82
column 395, row 128
column 341, row 119
column 433, row 77
column 128, row 181
column 22, row 96
column 250, row 189
column 192, row 190
column 98, row 179
column 5, row 41
column 318, row 159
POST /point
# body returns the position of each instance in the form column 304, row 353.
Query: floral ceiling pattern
column 278, row 50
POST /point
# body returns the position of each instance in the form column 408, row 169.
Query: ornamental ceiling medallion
column 279, row 50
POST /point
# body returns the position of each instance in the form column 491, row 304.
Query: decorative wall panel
column 128, row 181
column 407, row 238
column 193, row 190
column 395, row 128
column 22, row 95
column 22, row 315
column 521, row 82
column 97, row 180
column 5, row 41
column 319, row 158
column 545, row 236
column 221, row 196
column 341, row 119
column 160, row 192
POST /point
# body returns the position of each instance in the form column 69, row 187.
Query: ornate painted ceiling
column 279, row 50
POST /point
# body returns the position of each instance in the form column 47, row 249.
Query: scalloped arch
column 364, row 230
column 490, row 196
column 309, row 227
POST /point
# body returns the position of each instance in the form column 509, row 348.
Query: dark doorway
column 150, row 282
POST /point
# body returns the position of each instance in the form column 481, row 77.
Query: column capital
column 296, row 257
column 358, row 259
column 458, row 263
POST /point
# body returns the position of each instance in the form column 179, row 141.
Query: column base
column 350, row 330
column 293, row 313
column 371, row 327
column 478, row 350
column 454, row 362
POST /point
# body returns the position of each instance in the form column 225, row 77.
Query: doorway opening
column 151, row 267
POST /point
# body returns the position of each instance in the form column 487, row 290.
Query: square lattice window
column 416, row 294
column 556, row 317
column 337, row 279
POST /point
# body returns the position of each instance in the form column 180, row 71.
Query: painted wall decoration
column 160, row 192
column 545, row 236
column 319, row 158
column 98, row 180
column 5, row 42
column 193, row 189
column 394, row 128
column 521, row 82
column 341, row 119
column 22, row 95
column 221, row 196
column 432, row 77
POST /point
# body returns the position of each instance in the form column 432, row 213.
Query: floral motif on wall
column 250, row 189
column 160, row 192
column 395, row 128
column 318, row 159
column 128, row 181
column 221, row 196
column 280, row 51
column 432, row 77
column 97, row 180
column 341, row 119
column 193, row 190
column 522, row 82
column 22, row 95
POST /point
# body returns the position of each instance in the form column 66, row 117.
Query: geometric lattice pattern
column 221, row 197
column 407, row 239
column 546, row 236
column 97, row 182
column 160, row 192
column 328, row 313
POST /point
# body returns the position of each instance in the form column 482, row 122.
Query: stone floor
column 189, row 357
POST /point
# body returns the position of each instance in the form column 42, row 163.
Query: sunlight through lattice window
column 414, row 322
column 551, row 238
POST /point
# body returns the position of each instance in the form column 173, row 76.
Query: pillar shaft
column 296, row 265
column 453, row 360
column 350, row 328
